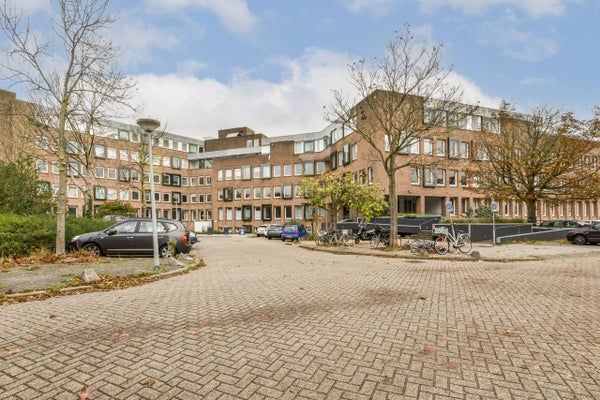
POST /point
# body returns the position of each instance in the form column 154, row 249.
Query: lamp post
column 149, row 125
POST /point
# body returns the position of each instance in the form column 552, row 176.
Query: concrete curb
column 91, row 288
column 417, row 257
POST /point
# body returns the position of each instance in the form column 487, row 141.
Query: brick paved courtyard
column 268, row 320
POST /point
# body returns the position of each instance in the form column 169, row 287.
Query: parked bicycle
column 332, row 237
column 380, row 235
column 363, row 233
column 448, row 241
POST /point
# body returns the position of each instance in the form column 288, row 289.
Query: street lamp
column 149, row 125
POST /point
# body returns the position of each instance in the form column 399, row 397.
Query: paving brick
column 265, row 320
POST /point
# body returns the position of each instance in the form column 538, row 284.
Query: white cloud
column 137, row 39
column 234, row 14
column 535, row 8
column 199, row 107
column 190, row 67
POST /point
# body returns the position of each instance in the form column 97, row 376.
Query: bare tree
column 62, row 69
column 542, row 156
column 387, row 109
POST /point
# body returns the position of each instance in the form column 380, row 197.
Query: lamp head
column 148, row 125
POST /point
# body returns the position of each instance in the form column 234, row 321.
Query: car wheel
column 579, row 239
column 270, row 238
column 163, row 252
column 93, row 248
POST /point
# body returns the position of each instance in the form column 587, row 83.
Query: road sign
column 449, row 206
column 495, row 206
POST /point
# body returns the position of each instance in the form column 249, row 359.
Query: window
column 208, row 180
column 41, row 165
column 288, row 212
column 56, row 168
column 415, row 176
column 267, row 192
column 428, row 147
column 299, row 212
column 266, row 212
column 135, row 176
column 464, row 181
column 166, row 179
column 237, row 174
column 246, row 213
column 276, row 171
column 74, row 147
column 228, row 194
column 167, row 197
column 441, row 148
column 123, row 155
column 166, row 161
column 266, row 171
column 256, row 172
column 200, row 198
column 124, row 195
column 309, row 146
column 297, row 191
column 220, row 175
column 135, row 156
column 491, row 125
column 429, row 177
column 112, row 173
column 320, row 167
column 257, row 213
column 146, row 227
column 412, row 147
column 237, row 194
column 99, row 151
column 298, row 147
column 111, row 153
column 354, row 151
column 229, row 213
column 135, row 195
column 247, row 194
column 156, row 160
column 298, row 169
column 309, row 168
column 277, row 212
column 287, row 192
column 440, row 177
column 124, row 175
column 228, row 174
column 287, row 170
column 41, row 143
column 464, row 149
column 176, row 162
column 277, row 192
column 452, row 175
column 73, row 169
column 454, row 148
column 257, row 191
column 370, row 175
column 111, row 194
column 72, row 192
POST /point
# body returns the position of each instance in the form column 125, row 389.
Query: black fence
column 485, row 232
column 406, row 226
column 546, row 234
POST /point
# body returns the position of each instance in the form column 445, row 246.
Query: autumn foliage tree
column 334, row 191
column 544, row 156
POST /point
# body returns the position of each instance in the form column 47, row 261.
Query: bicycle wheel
column 464, row 244
column 319, row 240
column 442, row 245
column 374, row 243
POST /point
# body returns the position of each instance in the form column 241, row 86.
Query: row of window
column 471, row 122
column 267, row 171
column 344, row 156
column 265, row 192
column 451, row 148
column 266, row 212
column 432, row 177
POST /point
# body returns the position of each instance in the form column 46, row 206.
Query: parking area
column 273, row 320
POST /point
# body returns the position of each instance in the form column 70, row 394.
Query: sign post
column 495, row 208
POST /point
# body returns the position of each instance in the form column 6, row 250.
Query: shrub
column 21, row 235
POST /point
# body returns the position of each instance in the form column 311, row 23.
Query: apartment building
column 245, row 179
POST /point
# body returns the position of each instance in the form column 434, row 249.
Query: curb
column 416, row 257
column 91, row 288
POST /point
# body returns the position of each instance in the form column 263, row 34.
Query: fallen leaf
column 149, row 382
column 451, row 365
column 430, row 349
column 14, row 351
column 84, row 395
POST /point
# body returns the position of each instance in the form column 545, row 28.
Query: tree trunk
column 532, row 211
column 61, row 198
column 88, row 206
column 393, row 208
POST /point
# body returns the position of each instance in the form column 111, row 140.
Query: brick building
column 245, row 179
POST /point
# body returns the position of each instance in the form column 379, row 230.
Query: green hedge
column 20, row 235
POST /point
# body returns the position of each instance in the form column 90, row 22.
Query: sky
column 205, row 65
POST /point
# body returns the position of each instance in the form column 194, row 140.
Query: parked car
column 562, row 224
column 134, row 237
column 293, row 232
column 274, row 231
column 588, row 234
column 262, row 230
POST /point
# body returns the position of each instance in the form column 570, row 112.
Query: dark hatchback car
column 134, row 237
column 274, row 231
column 589, row 234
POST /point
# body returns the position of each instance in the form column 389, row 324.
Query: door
column 594, row 233
column 122, row 240
column 143, row 238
